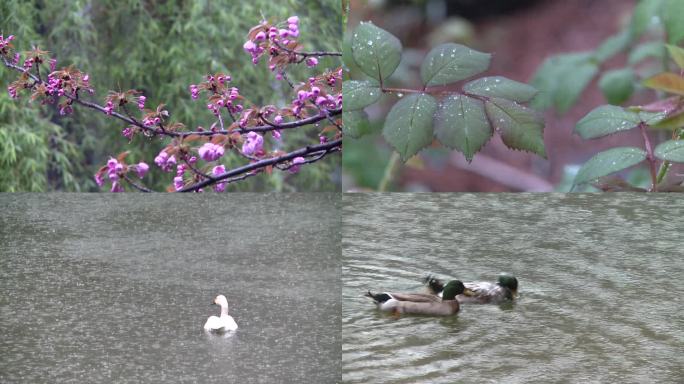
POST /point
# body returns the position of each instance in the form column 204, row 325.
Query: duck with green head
column 421, row 303
column 481, row 292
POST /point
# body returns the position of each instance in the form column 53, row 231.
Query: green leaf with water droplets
column 520, row 127
column 499, row 86
column 376, row 51
column 672, row 150
column 408, row 127
column 607, row 162
column 461, row 124
column 449, row 63
column 355, row 123
column 359, row 94
column 609, row 119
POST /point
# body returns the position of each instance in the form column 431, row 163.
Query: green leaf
column 610, row 161
column 670, row 122
column 655, row 49
column 677, row 54
column 672, row 15
column 376, row 51
column 356, row 123
column 520, row 128
column 612, row 46
column 666, row 81
column 609, row 119
column 617, row 85
column 359, row 94
column 671, row 150
column 498, row 86
column 645, row 12
column 461, row 124
column 561, row 80
column 449, row 63
column 408, row 127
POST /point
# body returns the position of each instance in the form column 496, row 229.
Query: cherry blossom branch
column 313, row 150
column 270, row 126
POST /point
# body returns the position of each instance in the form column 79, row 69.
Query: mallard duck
column 225, row 322
column 421, row 303
column 506, row 288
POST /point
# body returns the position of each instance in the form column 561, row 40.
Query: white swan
column 223, row 323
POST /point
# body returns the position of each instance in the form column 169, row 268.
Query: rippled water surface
column 601, row 285
column 103, row 289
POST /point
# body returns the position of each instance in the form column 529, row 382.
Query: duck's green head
column 453, row 288
column 509, row 282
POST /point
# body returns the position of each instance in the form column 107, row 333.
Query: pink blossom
column 178, row 182
column 218, row 171
column 99, row 180
column 278, row 120
column 276, row 134
column 127, row 133
column 260, row 36
column 117, row 187
column 194, row 91
column 141, row 102
column 211, row 151
column 253, row 144
column 249, row 46
column 164, row 161
column 296, row 164
column 109, row 107
column 293, row 20
column 53, row 64
column 311, row 62
column 141, row 169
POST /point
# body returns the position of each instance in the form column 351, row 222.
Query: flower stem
column 649, row 156
column 389, row 172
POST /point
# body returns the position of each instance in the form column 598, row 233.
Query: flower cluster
column 218, row 171
column 178, row 182
column 116, row 169
column 5, row 43
column 253, row 145
column 280, row 42
column 210, row 151
column 220, row 94
column 296, row 164
column 164, row 161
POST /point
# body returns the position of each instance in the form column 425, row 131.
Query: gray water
column 116, row 288
column 601, row 283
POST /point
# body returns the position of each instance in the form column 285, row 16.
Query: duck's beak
column 468, row 292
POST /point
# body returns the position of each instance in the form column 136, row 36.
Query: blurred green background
column 159, row 47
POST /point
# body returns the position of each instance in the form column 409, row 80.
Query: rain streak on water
column 104, row 288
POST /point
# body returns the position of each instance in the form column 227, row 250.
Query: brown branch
column 313, row 150
column 156, row 131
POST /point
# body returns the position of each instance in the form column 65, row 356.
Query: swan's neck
column 224, row 310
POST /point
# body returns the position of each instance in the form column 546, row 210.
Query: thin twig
column 326, row 147
column 649, row 156
column 136, row 185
